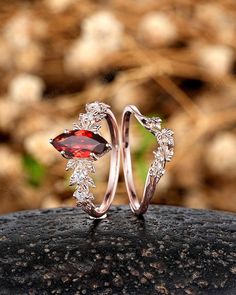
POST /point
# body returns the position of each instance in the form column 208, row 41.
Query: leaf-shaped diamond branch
column 165, row 151
column 91, row 120
column 152, row 124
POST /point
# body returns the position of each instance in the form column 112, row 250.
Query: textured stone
column 170, row 251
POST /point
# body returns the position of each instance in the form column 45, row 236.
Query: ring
column 82, row 146
column 162, row 154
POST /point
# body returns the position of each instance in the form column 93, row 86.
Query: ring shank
column 150, row 185
column 99, row 212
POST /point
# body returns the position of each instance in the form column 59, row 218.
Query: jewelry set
column 84, row 144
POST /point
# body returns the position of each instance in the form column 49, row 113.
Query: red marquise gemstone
column 80, row 144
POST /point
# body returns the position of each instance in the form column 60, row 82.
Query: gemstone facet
column 80, row 144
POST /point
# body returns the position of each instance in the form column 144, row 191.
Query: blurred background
column 173, row 59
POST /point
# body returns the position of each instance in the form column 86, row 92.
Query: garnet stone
column 80, row 144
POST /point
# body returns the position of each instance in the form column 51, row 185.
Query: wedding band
column 82, row 146
column 162, row 154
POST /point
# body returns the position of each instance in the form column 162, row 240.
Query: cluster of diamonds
column 90, row 120
column 82, row 168
column 165, row 149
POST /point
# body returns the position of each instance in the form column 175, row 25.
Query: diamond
column 83, row 196
column 71, row 164
column 89, row 122
column 80, row 144
column 166, row 137
column 96, row 107
column 156, row 167
column 153, row 124
column 159, row 154
column 169, row 152
column 86, row 165
column 77, row 177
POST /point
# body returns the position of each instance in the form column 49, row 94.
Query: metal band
column 99, row 212
column 163, row 154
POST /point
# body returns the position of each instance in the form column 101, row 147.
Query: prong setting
column 65, row 155
column 94, row 157
column 109, row 146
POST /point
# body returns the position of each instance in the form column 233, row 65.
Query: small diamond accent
column 152, row 124
column 83, row 196
column 78, row 177
column 96, row 111
column 165, row 150
column 97, row 108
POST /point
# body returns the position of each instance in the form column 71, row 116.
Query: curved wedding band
column 82, row 146
column 162, row 154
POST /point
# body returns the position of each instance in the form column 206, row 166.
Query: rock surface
column 170, row 251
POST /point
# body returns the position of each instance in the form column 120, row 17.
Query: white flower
column 24, row 28
column 216, row 59
column 157, row 29
column 58, row 6
column 104, row 29
column 83, row 57
column 26, row 88
column 220, row 155
column 101, row 35
column 18, row 31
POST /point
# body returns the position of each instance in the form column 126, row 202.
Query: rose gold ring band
column 100, row 212
column 156, row 170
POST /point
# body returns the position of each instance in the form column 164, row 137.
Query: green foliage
column 142, row 155
column 34, row 170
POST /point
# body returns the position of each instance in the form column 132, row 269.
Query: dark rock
column 169, row 251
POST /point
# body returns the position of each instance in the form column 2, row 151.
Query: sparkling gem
column 169, row 152
column 83, row 196
column 166, row 137
column 153, row 124
column 96, row 107
column 77, row 177
column 80, row 144
column 93, row 107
